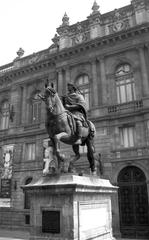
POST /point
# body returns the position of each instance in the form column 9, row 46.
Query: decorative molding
column 87, row 46
column 139, row 4
column 119, row 22
column 79, row 34
column 5, row 81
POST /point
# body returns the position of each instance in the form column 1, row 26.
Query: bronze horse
column 60, row 125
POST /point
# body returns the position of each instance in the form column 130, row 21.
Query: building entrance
column 133, row 203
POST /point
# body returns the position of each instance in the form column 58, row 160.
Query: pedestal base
column 70, row 207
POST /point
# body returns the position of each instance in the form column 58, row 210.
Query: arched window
column 4, row 116
column 83, row 84
column 26, row 195
column 35, row 108
column 125, row 85
column 133, row 203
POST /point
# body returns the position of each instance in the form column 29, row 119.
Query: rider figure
column 75, row 103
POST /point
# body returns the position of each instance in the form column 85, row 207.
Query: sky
column 31, row 24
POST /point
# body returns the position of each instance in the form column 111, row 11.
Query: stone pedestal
column 70, row 207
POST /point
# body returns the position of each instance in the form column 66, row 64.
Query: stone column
column 144, row 72
column 147, row 56
column 24, row 104
column 94, row 84
column 60, row 82
column 19, row 102
column 67, row 80
column 103, row 80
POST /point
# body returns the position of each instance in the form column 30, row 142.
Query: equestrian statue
column 66, row 121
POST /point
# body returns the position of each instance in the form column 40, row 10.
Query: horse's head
column 52, row 100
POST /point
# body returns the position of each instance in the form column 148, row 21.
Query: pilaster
column 63, row 31
column 67, row 80
column 60, row 82
column 94, row 83
column 103, row 80
column 24, row 104
column 95, row 22
column 140, row 9
column 144, row 72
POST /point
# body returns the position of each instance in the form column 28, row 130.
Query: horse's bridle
column 52, row 92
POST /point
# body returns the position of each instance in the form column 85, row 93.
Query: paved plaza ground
column 22, row 235
column 13, row 235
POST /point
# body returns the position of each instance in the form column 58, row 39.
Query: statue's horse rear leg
column 90, row 154
column 75, row 158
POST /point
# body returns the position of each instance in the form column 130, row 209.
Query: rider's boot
column 79, row 133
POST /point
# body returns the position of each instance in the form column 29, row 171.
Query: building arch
column 81, row 70
column 133, row 202
column 119, row 61
column 118, row 169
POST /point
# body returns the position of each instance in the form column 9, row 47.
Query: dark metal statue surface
column 67, row 122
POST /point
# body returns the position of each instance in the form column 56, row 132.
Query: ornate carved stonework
column 6, row 164
column 63, row 30
column 79, row 34
column 55, row 39
column 65, row 20
column 119, row 23
column 139, row 4
column 4, row 81
column 95, row 8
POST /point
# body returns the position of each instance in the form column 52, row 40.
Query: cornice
column 66, row 54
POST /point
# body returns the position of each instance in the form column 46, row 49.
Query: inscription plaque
column 94, row 220
column 50, row 221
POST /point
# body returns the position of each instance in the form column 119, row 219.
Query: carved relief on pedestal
column 6, row 162
column 49, row 161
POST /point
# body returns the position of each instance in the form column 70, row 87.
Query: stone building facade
column 107, row 56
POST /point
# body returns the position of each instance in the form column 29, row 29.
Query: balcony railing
column 135, row 105
column 130, row 153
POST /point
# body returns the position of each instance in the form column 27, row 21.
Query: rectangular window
column 36, row 111
column 5, row 120
column 30, row 151
column 129, row 93
column 125, row 90
column 127, row 136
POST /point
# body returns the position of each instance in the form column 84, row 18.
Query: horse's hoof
column 94, row 173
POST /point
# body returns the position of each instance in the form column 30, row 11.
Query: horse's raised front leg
column 56, row 140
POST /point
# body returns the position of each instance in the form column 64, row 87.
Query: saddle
column 72, row 118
